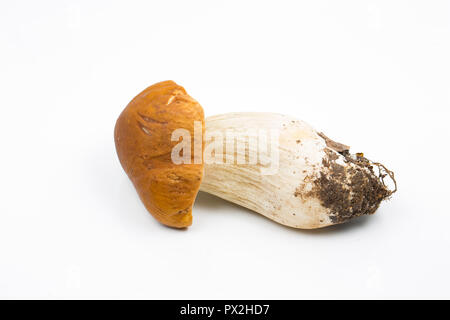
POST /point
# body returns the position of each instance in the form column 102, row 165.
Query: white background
column 371, row 74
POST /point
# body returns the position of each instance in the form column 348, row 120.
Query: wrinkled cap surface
column 143, row 141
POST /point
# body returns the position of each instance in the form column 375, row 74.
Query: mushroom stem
column 302, row 179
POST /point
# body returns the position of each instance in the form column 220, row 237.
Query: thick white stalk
column 314, row 185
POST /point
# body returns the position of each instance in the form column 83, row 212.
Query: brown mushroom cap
column 143, row 143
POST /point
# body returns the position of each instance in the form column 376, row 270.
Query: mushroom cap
column 143, row 141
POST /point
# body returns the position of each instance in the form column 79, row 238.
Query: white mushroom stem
column 313, row 185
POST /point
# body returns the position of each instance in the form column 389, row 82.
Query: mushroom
column 302, row 180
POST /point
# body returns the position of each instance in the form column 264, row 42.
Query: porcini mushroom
column 317, row 182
